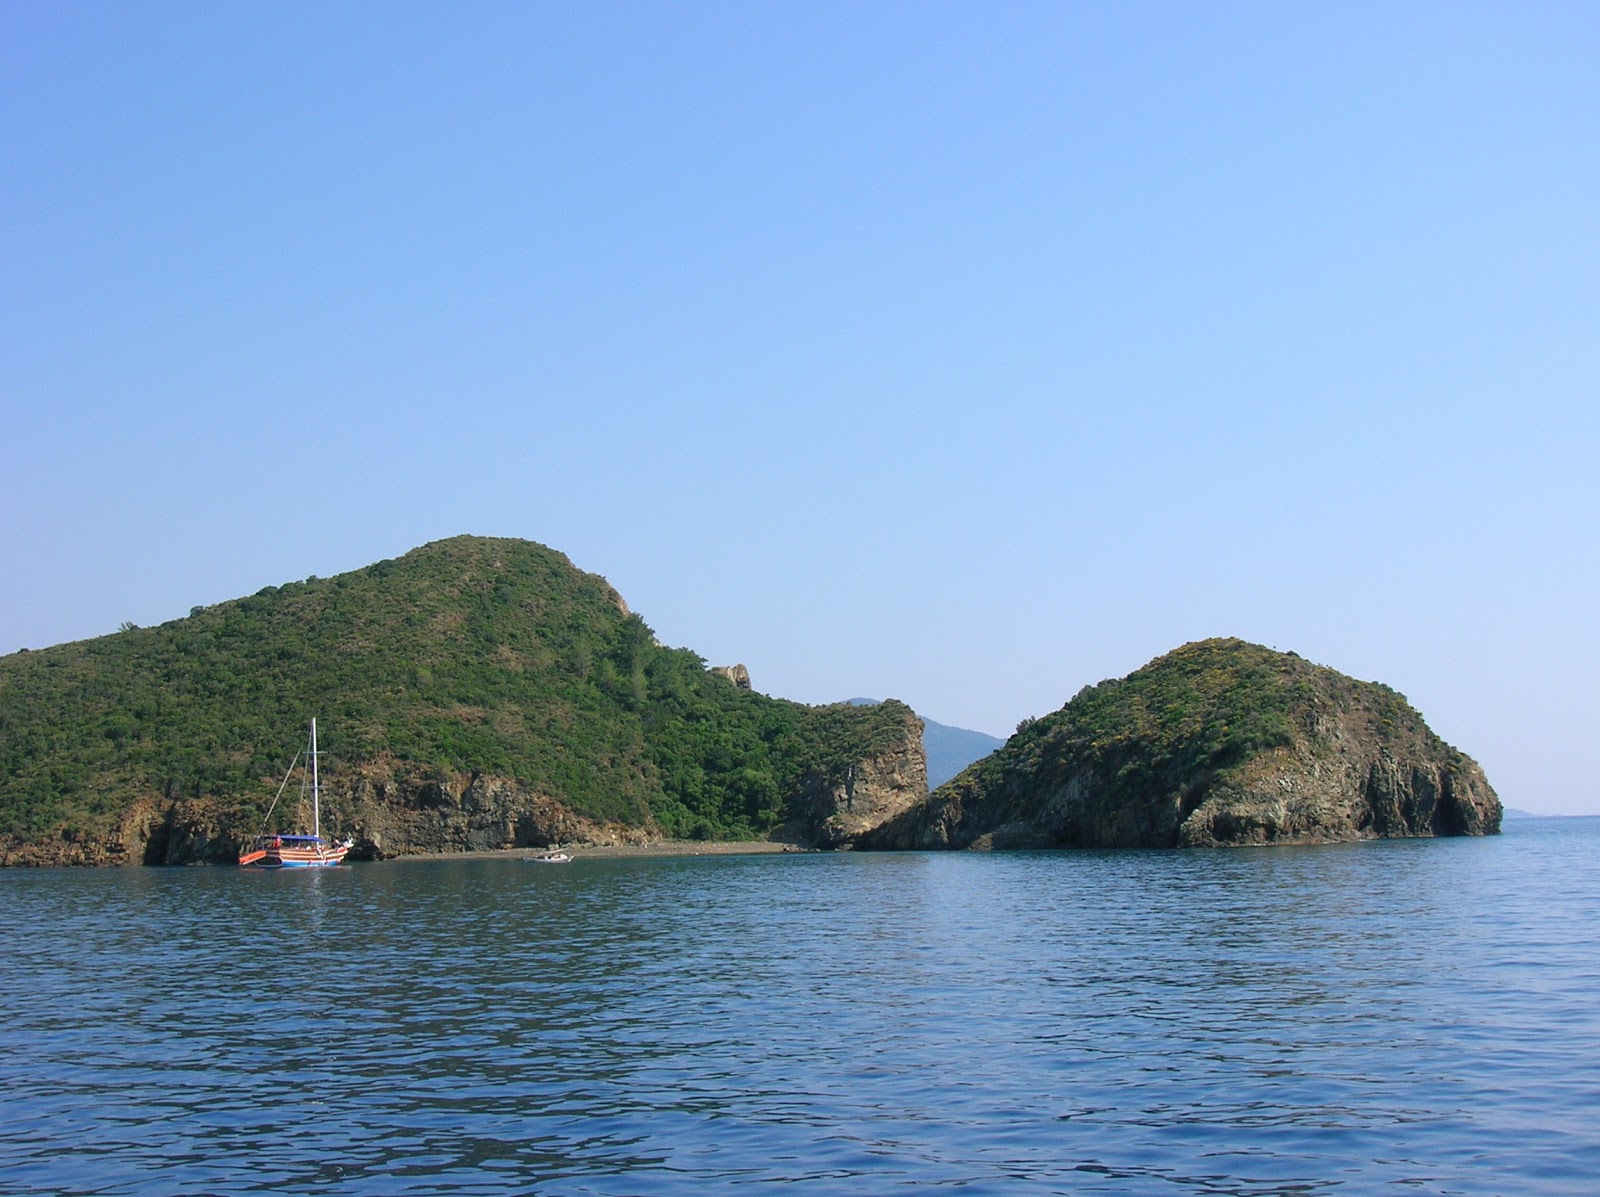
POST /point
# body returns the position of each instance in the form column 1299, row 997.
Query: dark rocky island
column 1219, row 742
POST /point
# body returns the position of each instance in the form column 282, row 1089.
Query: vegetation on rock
column 1218, row 741
column 467, row 656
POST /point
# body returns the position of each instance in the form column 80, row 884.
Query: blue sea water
column 1411, row 1016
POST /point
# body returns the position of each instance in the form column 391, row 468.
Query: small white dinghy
column 556, row 857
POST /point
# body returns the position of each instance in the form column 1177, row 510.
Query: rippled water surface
column 1415, row 1016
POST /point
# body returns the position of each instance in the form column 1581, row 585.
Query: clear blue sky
column 965, row 354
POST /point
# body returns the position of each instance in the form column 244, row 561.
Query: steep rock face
column 737, row 674
column 1219, row 742
column 151, row 831
column 385, row 816
column 465, row 813
column 837, row 807
column 391, row 811
column 1352, row 789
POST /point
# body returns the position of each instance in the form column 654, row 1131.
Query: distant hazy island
column 480, row 694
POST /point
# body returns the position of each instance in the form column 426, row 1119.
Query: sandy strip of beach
column 607, row 851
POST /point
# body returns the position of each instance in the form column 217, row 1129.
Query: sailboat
column 298, row 851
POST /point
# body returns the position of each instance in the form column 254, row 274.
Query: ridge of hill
column 473, row 693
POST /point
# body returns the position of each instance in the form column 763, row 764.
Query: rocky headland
column 1217, row 743
column 475, row 695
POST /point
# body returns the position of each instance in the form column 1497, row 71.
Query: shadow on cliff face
column 1449, row 817
column 155, row 848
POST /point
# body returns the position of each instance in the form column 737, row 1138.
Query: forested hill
column 466, row 657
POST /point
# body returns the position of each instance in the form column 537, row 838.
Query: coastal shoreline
column 614, row 851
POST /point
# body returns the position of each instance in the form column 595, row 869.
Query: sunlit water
column 1412, row 1016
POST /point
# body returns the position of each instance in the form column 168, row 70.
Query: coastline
column 611, row 851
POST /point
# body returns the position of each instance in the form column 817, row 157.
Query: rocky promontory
column 837, row 806
column 1219, row 742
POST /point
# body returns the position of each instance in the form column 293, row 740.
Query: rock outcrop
column 151, row 831
column 385, row 817
column 837, row 807
column 391, row 811
column 1218, row 743
column 737, row 674
column 472, row 812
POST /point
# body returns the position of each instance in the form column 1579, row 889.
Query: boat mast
column 316, row 806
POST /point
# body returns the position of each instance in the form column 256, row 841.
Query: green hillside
column 1219, row 741
column 1200, row 709
column 468, row 654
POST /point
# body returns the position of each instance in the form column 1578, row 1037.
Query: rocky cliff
column 838, row 806
column 736, row 674
column 390, row 809
column 1219, row 742
column 385, row 815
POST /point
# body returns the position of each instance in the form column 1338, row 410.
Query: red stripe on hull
column 287, row 857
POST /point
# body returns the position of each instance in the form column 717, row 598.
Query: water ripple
column 1411, row 1016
